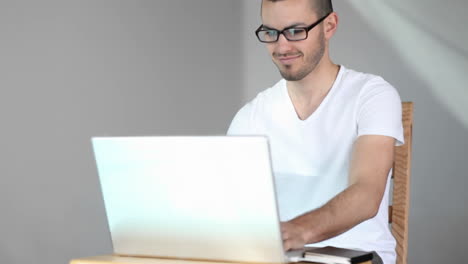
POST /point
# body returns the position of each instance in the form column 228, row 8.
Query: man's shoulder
column 362, row 79
column 351, row 77
column 264, row 101
column 272, row 93
column 362, row 83
column 268, row 96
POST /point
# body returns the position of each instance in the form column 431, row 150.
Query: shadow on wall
column 438, row 63
column 418, row 50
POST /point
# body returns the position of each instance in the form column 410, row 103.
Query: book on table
column 336, row 255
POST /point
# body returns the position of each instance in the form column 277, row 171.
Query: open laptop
column 207, row 198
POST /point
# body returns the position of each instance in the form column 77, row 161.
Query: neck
column 316, row 85
column 308, row 93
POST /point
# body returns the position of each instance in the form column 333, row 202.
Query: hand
column 293, row 235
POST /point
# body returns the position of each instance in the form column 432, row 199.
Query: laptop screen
column 190, row 197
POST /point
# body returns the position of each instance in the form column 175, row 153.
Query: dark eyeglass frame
column 278, row 32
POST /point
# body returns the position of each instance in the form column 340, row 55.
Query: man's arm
column 371, row 160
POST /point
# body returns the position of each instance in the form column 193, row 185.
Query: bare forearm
column 371, row 161
column 349, row 208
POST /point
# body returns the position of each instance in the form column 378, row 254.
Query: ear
column 330, row 25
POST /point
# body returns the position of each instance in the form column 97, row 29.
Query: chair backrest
column 399, row 209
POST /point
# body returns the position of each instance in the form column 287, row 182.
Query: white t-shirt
column 311, row 157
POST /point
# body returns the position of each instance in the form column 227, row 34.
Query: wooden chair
column 399, row 208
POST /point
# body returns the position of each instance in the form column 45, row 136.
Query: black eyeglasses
column 267, row 35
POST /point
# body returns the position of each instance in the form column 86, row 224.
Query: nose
column 282, row 39
column 283, row 45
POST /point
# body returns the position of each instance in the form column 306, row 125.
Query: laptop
column 202, row 198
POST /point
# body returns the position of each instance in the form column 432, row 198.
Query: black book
column 336, row 255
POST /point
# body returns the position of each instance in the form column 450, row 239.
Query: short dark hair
column 322, row 7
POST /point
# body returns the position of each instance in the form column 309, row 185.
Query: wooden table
column 110, row 259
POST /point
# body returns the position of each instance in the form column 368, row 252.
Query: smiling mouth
column 288, row 59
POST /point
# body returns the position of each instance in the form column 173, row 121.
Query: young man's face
column 294, row 59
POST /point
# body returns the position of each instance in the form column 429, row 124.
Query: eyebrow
column 291, row 26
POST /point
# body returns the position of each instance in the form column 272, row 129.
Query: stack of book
column 333, row 255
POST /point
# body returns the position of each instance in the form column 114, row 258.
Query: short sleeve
column 379, row 111
column 242, row 122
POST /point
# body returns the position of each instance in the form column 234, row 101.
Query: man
column 332, row 133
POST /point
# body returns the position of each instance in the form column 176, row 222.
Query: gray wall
column 70, row 70
column 421, row 48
